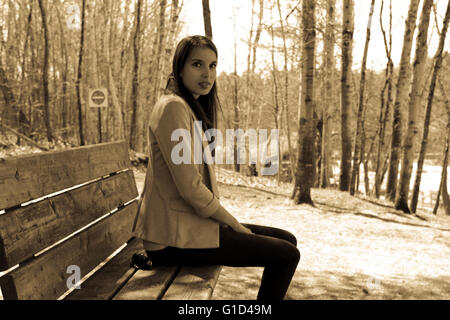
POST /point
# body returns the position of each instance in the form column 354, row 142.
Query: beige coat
column 176, row 204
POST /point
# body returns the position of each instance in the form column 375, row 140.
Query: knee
column 290, row 237
column 290, row 254
column 295, row 255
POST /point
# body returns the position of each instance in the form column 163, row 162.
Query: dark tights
column 272, row 248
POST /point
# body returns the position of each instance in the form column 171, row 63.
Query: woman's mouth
column 204, row 84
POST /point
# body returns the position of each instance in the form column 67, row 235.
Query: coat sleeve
column 186, row 176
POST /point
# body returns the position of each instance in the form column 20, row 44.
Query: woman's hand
column 223, row 216
column 241, row 228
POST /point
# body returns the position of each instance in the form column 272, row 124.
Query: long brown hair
column 207, row 106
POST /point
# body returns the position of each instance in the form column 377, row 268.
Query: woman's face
column 199, row 71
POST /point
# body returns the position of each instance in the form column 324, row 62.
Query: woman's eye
column 196, row 64
column 213, row 66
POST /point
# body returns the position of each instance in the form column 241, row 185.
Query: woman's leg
column 267, row 247
column 270, row 282
column 272, row 232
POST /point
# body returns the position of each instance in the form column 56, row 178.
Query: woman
column 180, row 218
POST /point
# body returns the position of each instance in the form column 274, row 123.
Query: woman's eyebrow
column 197, row 59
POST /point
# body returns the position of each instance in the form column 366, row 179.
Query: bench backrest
column 90, row 201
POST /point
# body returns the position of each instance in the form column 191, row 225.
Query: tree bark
column 159, row 49
column 385, row 103
column 258, row 33
column 443, row 183
column 118, row 123
column 207, row 19
column 404, row 77
column 305, row 170
column 45, row 73
column 166, row 66
column 235, row 101
column 359, row 124
column 329, row 95
column 286, row 94
column 12, row 111
column 24, row 126
column 443, row 189
column 247, row 74
column 136, row 114
column 79, row 75
column 346, row 96
column 401, row 199
column 65, row 74
column 423, row 148
column 247, row 169
column 366, row 166
column 276, row 111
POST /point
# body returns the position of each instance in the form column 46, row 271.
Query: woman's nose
column 205, row 72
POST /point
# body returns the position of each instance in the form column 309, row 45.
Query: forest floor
column 351, row 247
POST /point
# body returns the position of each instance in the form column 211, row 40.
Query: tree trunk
column 276, row 112
column 359, row 124
column 79, row 76
column 286, row 94
column 404, row 77
column 247, row 169
column 155, row 66
column 443, row 186
column 401, row 199
column 366, row 166
column 255, row 46
column 423, row 148
column 305, row 170
column 118, row 123
column 12, row 111
column 136, row 114
column 444, row 191
column 24, row 126
column 207, row 19
column 346, row 93
column 45, row 73
column 329, row 95
column 247, row 74
column 385, row 103
column 65, row 74
column 166, row 66
column 235, row 102
column 258, row 33
column 96, row 72
column 124, row 70
column 159, row 49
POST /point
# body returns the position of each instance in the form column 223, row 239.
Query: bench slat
column 46, row 276
column 147, row 284
column 106, row 282
column 28, row 230
column 25, row 178
column 194, row 283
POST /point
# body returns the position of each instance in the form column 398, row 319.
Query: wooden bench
column 67, row 215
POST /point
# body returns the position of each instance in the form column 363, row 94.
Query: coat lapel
column 198, row 132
